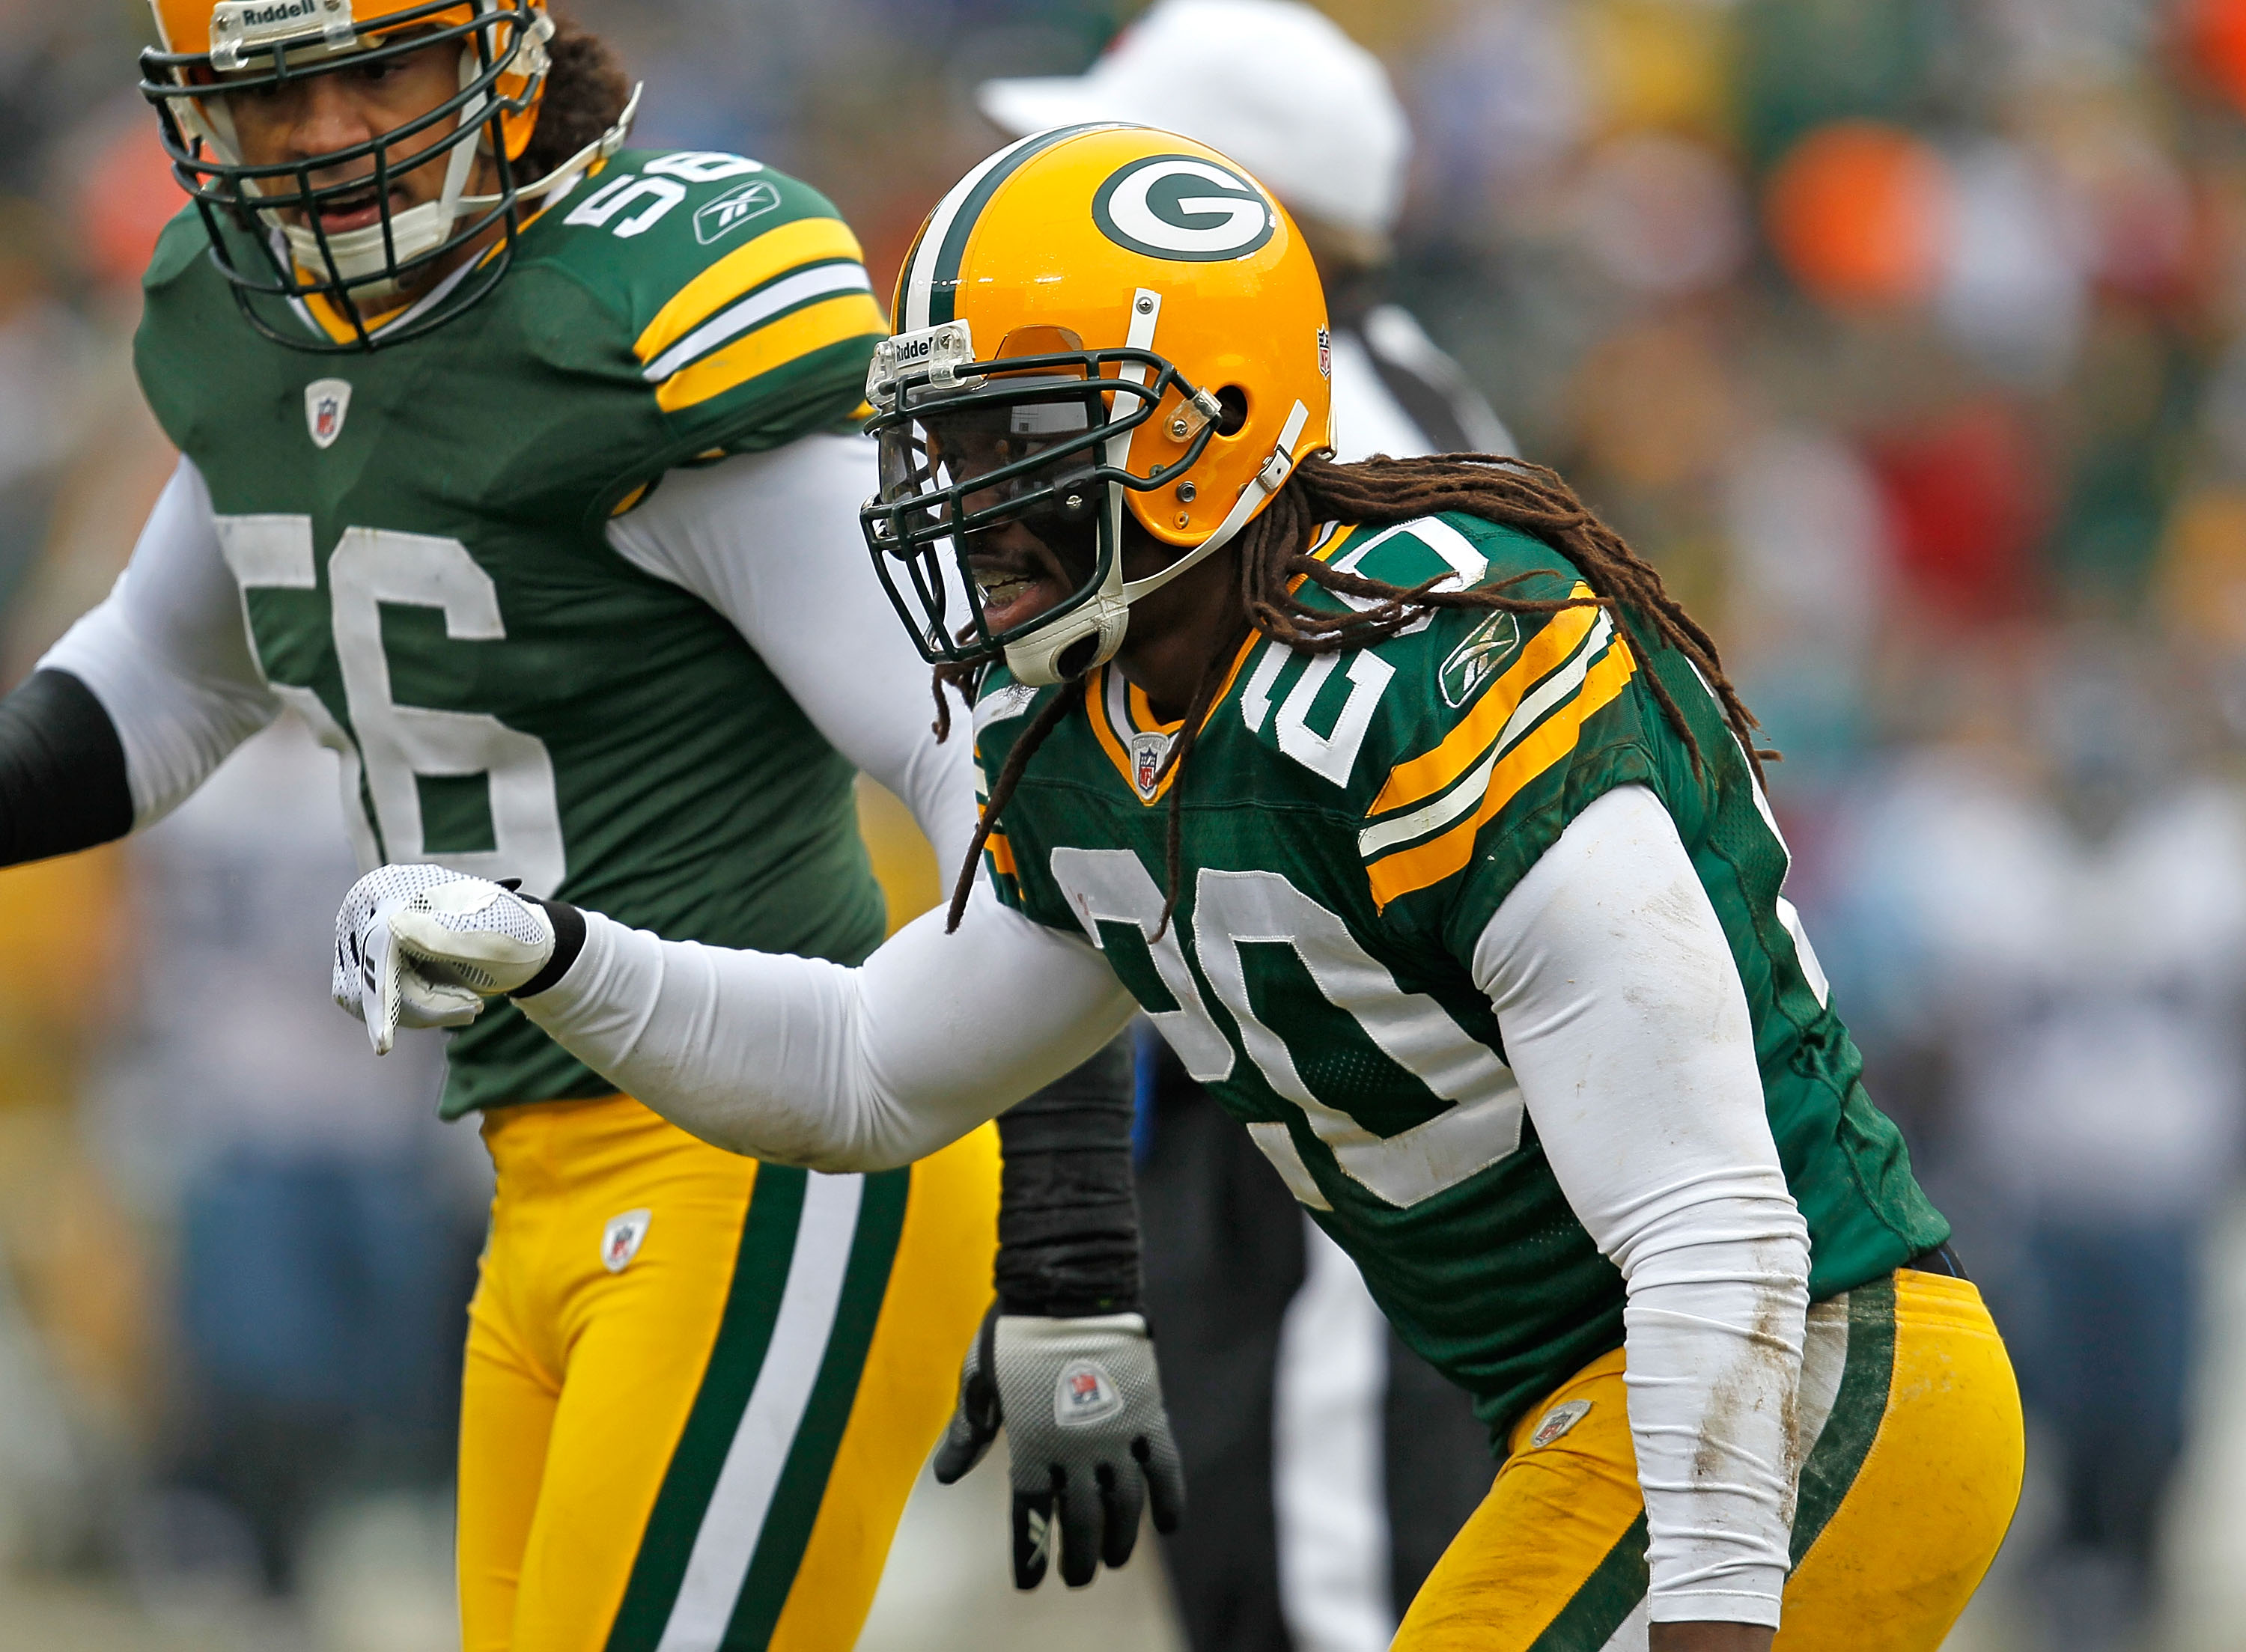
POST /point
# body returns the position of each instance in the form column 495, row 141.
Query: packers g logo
column 1182, row 207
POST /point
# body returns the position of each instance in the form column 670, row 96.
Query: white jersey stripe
column 759, row 307
column 1377, row 839
column 735, row 1519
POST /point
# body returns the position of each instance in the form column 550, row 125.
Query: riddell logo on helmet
column 274, row 13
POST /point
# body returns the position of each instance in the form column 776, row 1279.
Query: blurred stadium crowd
column 1908, row 337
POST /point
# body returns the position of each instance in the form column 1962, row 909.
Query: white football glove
column 419, row 946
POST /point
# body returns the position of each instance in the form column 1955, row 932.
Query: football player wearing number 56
column 508, row 463
column 1426, row 828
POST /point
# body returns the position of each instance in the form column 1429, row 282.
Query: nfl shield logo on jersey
column 1084, row 1394
column 1147, row 752
column 326, row 401
column 621, row 1238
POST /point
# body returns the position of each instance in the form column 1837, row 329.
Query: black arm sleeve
column 63, row 784
column 1068, row 1219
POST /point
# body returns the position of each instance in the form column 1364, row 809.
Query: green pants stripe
column 743, row 1485
column 1604, row 1602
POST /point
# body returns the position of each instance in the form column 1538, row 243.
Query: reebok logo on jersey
column 1084, row 1394
column 1558, row 1421
column 327, row 402
column 718, row 219
column 621, row 1238
column 1483, row 654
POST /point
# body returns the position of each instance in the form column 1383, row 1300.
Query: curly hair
column 1273, row 562
column 586, row 90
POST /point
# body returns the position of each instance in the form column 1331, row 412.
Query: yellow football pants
column 1905, row 1494
column 698, row 1389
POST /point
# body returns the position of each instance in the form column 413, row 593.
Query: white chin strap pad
column 416, row 231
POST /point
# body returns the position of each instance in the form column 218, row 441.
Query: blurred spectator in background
column 327, row 1226
column 1330, row 1465
column 1907, row 337
column 2050, row 909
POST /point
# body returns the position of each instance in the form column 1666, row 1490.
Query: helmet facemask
column 1038, row 435
column 366, row 270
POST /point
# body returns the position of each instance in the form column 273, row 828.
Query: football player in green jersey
column 507, row 464
column 1427, row 830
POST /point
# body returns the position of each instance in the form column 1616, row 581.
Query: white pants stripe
column 735, row 1519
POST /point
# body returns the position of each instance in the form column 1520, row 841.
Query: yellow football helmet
column 1097, row 319
column 216, row 50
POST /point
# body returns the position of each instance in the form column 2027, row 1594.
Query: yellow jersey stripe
column 773, row 253
column 788, row 293
column 1404, row 825
column 1436, row 770
column 813, row 328
column 1438, row 858
column 1095, row 695
column 1002, row 855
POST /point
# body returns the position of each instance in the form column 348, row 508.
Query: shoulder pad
column 183, row 243
column 1475, row 552
column 721, row 271
column 1431, row 735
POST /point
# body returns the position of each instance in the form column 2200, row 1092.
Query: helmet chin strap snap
column 1051, row 654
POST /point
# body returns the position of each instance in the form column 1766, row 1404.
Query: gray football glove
column 1089, row 1441
column 417, row 946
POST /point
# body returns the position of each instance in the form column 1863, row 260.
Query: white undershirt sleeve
column 1627, row 1026
column 803, row 1062
column 772, row 542
column 167, row 654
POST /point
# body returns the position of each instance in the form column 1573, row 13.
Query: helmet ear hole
column 1233, row 400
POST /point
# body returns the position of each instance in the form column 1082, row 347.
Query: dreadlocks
column 1273, row 562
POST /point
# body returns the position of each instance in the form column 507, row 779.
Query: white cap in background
column 1271, row 82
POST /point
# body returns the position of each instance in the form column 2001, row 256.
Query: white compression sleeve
column 772, row 542
column 1627, row 1026
column 807, row 1063
column 167, row 654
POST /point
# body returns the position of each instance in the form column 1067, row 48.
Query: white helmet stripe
column 922, row 276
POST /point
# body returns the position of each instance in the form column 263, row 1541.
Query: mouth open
column 340, row 214
column 1017, row 585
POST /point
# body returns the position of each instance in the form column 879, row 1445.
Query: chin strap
column 1037, row 660
column 1266, row 482
column 570, row 170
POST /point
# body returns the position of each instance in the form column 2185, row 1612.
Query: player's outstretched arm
column 1628, row 1033
column 134, row 708
column 791, row 1060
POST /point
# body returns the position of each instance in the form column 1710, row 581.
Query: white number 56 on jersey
column 396, row 744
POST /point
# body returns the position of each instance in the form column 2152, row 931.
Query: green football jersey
column 419, row 535
column 1351, row 824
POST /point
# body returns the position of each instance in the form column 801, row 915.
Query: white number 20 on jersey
column 1481, row 1126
